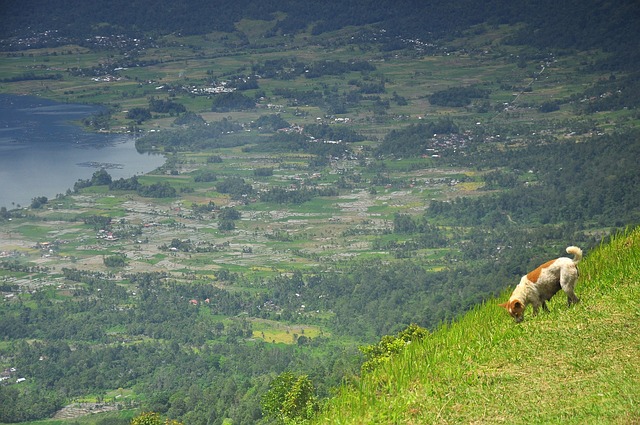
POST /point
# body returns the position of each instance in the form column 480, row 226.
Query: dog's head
column 515, row 309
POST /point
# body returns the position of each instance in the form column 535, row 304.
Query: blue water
column 43, row 153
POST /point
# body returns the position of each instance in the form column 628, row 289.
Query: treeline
column 190, row 119
column 270, row 123
column 335, row 133
column 31, row 76
column 102, row 177
column 236, row 187
column 139, row 114
column 457, row 96
column 298, row 196
column 165, row 106
column 415, row 139
column 331, row 102
column 39, row 202
column 194, row 138
column 583, row 26
column 618, row 92
column 336, row 67
column 232, row 101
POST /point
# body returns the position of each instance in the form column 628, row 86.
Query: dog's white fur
column 539, row 285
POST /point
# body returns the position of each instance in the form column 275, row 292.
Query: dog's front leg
column 544, row 306
column 536, row 307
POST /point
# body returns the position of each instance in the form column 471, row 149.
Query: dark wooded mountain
column 614, row 26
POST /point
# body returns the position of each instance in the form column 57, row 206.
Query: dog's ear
column 504, row 305
column 517, row 306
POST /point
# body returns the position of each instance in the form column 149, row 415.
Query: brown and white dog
column 539, row 285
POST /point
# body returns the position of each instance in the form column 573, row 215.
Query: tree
column 457, row 96
column 38, row 202
column 290, row 398
column 100, row 177
column 165, row 106
column 157, row 190
column 226, row 225
column 263, row 172
column 131, row 183
column 205, row 177
column 152, row 418
column 232, row 101
column 270, row 123
column 118, row 260
column 235, row 186
column 229, row 213
column 138, row 115
column 190, row 119
column 403, row 223
column 549, row 106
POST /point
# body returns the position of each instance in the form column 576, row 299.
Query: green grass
column 33, row 231
column 277, row 332
column 578, row 365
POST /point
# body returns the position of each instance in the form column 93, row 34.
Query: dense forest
column 586, row 183
column 571, row 24
column 170, row 371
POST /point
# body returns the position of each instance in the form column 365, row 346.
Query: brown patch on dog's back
column 535, row 274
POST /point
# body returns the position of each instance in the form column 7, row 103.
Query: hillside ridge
column 583, row 25
column 576, row 365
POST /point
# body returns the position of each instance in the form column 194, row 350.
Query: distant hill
column 572, row 366
column 547, row 24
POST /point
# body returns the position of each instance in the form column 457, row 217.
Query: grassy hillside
column 578, row 365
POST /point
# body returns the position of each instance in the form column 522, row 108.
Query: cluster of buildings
column 8, row 376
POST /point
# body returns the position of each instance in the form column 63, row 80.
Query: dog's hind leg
column 572, row 299
column 568, row 278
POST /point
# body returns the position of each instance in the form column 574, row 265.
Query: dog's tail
column 577, row 253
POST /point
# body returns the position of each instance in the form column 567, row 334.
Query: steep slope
column 578, row 365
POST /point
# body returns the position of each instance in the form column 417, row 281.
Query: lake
column 43, row 153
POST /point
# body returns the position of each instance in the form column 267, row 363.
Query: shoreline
column 52, row 150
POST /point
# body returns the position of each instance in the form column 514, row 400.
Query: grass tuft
column 578, row 365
